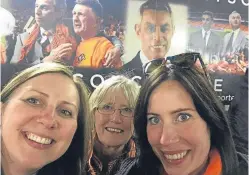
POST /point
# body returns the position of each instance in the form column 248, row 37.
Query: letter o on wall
column 96, row 76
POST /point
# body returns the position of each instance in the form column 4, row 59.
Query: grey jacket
column 33, row 57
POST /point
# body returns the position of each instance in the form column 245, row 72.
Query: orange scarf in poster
column 3, row 53
column 61, row 36
column 91, row 53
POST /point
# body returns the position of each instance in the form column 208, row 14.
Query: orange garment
column 95, row 165
column 61, row 36
column 215, row 165
column 3, row 54
column 91, row 53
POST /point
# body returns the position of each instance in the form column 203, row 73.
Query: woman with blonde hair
column 112, row 106
column 45, row 125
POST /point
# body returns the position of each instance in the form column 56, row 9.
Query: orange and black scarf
column 215, row 165
column 61, row 36
column 95, row 165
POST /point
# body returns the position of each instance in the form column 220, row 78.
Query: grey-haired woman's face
column 114, row 119
column 178, row 135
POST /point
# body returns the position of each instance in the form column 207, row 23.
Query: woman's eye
column 127, row 109
column 154, row 120
column 33, row 101
column 106, row 107
column 183, row 117
column 66, row 113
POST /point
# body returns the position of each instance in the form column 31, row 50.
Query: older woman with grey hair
column 112, row 106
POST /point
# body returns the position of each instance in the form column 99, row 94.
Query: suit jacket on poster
column 239, row 43
column 33, row 57
column 134, row 67
column 33, row 54
column 10, row 46
column 197, row 43
column 135, row 63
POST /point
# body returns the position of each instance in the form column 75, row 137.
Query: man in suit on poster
column 155, row 32
column 48, row 39
column 51, row 38
column 236, row 40
column 205, row 40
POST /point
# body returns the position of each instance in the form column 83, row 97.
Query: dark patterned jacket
column 97, row 167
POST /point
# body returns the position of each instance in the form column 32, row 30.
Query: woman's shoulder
column 243, row 163
column 129, row 166
column 132, row 166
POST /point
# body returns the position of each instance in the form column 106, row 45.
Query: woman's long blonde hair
column 83, row 135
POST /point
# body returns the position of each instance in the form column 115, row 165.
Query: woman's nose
column 48, row 118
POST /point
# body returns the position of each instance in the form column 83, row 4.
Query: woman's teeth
column 114, row 130
column 176, row 156
column 38, row 139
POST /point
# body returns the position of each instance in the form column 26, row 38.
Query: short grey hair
column 117, row 82
column 234, row 12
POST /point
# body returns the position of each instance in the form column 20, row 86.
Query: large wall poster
column 226, row 59
column 178, row 39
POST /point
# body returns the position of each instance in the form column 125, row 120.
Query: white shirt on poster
column 144, row 59
column 44, row 37
column 236, row 32
column 208, row 35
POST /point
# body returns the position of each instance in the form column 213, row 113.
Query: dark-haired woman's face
column 178, row 135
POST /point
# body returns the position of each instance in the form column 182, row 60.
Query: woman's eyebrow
column 44, row 94
column 37, row 91
column 69, row 103
column 182, row 109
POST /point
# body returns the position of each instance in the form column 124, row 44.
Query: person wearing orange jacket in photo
column 2, row 51
column 48, row 39
column 92, row 49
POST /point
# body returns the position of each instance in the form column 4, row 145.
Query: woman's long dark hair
column 208, row 106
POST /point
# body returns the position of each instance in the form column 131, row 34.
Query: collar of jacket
column 128, row 151
column 215, row 166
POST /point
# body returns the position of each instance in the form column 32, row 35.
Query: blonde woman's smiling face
column 39, row 120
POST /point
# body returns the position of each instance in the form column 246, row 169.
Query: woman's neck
column 11, row 168
column 107, row 153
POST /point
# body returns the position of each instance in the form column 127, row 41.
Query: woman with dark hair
column 180, row 125
column 45, row 125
